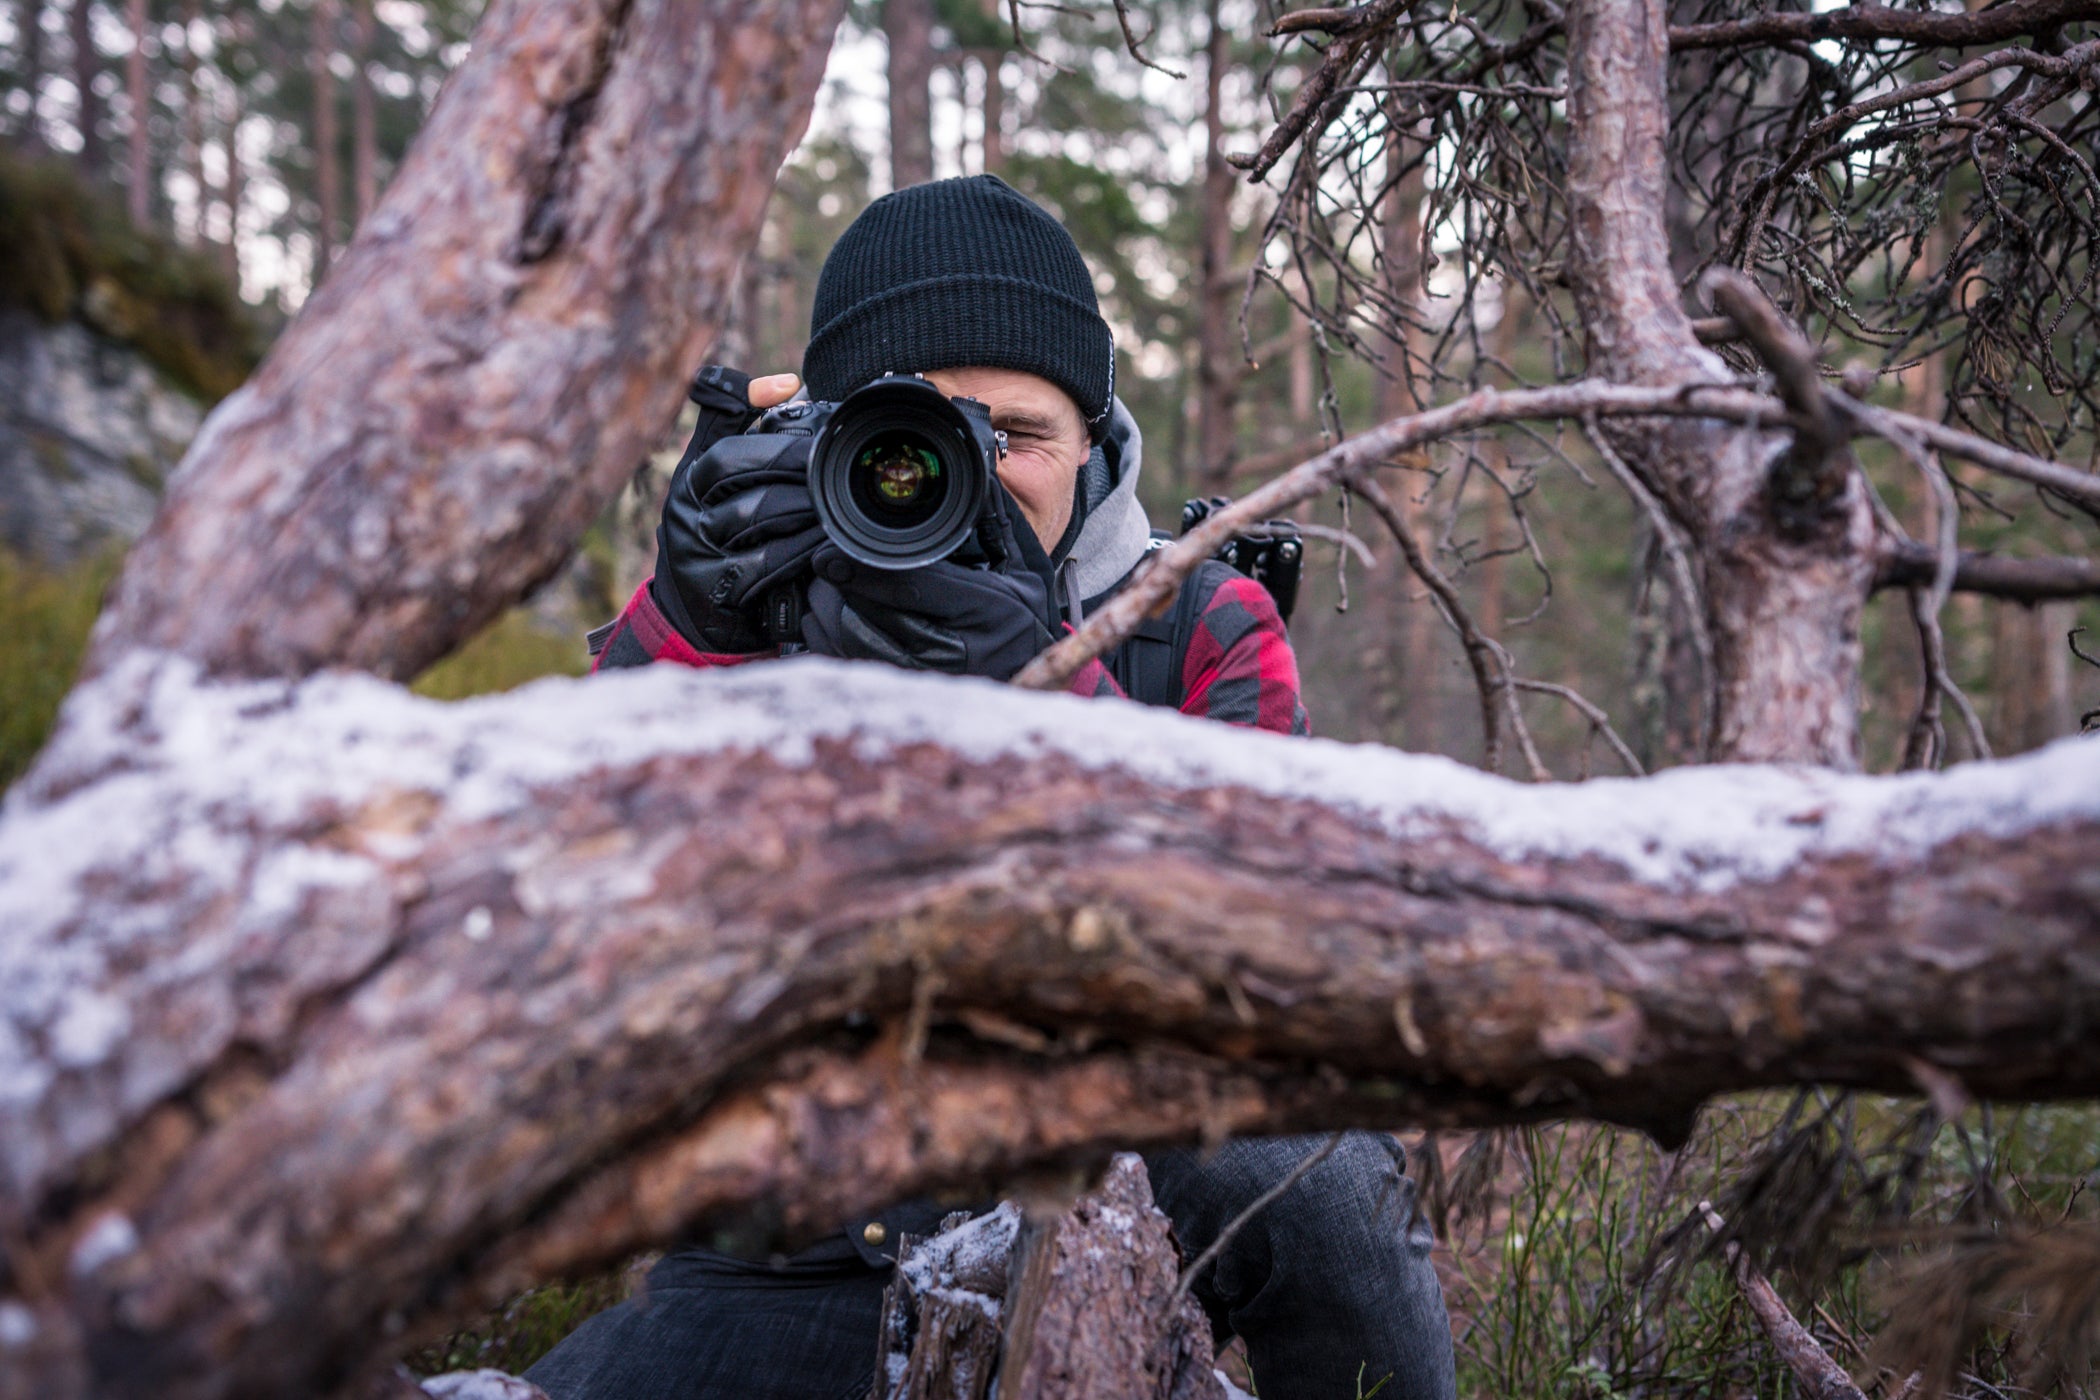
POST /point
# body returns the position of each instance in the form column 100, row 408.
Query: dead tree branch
column 1871, row 23
column 1907, row 563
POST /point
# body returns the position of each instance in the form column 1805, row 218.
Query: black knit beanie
column 956, row 273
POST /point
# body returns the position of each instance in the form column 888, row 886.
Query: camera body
column 1272, row 553
column 901, row 475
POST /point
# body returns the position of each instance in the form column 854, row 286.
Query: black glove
column 941, row 617
column 737, row 523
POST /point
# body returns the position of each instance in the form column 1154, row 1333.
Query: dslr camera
column 901, row 475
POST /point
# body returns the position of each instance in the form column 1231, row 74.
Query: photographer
column 971, row 285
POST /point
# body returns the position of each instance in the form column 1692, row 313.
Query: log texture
column 506, row 338
column 324, row 1006
column 1094, row 1311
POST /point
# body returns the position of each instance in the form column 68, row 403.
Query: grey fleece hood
column 1115, row 533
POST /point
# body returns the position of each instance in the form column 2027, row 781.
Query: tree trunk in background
column 1784, row 601
column 194, row 104
column 1218, row 349
column 29, row 23
column 2033, row 666
column 908, row 25
column 139, row 168
column 234, row 192
column 87, row 65
column 1409, row 673
column 993, row 62
column 364, row 117
column 327, row 174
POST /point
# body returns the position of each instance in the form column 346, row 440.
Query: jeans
column 1330, row 1285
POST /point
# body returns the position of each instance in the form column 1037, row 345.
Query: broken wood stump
column 1080, row 1306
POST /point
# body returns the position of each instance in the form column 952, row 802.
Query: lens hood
column 900, row 474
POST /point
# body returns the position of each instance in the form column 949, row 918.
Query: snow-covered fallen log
column 323, row 1007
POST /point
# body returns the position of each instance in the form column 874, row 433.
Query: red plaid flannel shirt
column 1239, row 667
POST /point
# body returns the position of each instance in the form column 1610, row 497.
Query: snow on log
column 323, row 1007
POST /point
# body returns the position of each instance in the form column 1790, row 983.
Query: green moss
column 522, row 1331
column 514, row 650
column 68, row 250
column 44, row 620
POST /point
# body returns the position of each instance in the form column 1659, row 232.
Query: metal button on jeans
column 874, row 1234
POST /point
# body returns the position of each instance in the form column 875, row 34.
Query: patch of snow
column 17, row 1326
column 267, row 745
column 109, row 1239
column 286, row 875
column 482, row 1385
column 975, row 1249
column 87, row 1029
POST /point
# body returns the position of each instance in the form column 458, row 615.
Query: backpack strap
column 1148, row 664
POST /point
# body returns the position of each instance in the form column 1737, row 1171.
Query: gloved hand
column 940, row 617
column 737, row 523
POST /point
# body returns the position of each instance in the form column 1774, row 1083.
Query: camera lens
column 896, row 478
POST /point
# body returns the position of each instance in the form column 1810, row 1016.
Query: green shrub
column 513, row 650
column 67, row 249
column 44, row 620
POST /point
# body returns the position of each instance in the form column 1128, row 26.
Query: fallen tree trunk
column 327, row 1006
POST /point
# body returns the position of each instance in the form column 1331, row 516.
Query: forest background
column 180, row 173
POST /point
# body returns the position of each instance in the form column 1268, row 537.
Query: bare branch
column 1130, row 42
column 1600, row 722
column 1154, row 586
column 2082, row 489
column 1907, row 563
column 1811, row 478
column 1334, row 72
column 1821, row 1378
column 1682, row 576
column 1869, row 23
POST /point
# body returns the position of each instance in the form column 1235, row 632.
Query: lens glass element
column 897, row 479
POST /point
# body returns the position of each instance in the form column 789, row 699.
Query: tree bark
column 1784, row 603
column 908, row 26
column 519, row 320
column 363, row 999
column 1094, row 1309
column 1060, row 1305
column 328, row 180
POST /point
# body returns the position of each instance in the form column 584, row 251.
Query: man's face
column 1045, row 440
